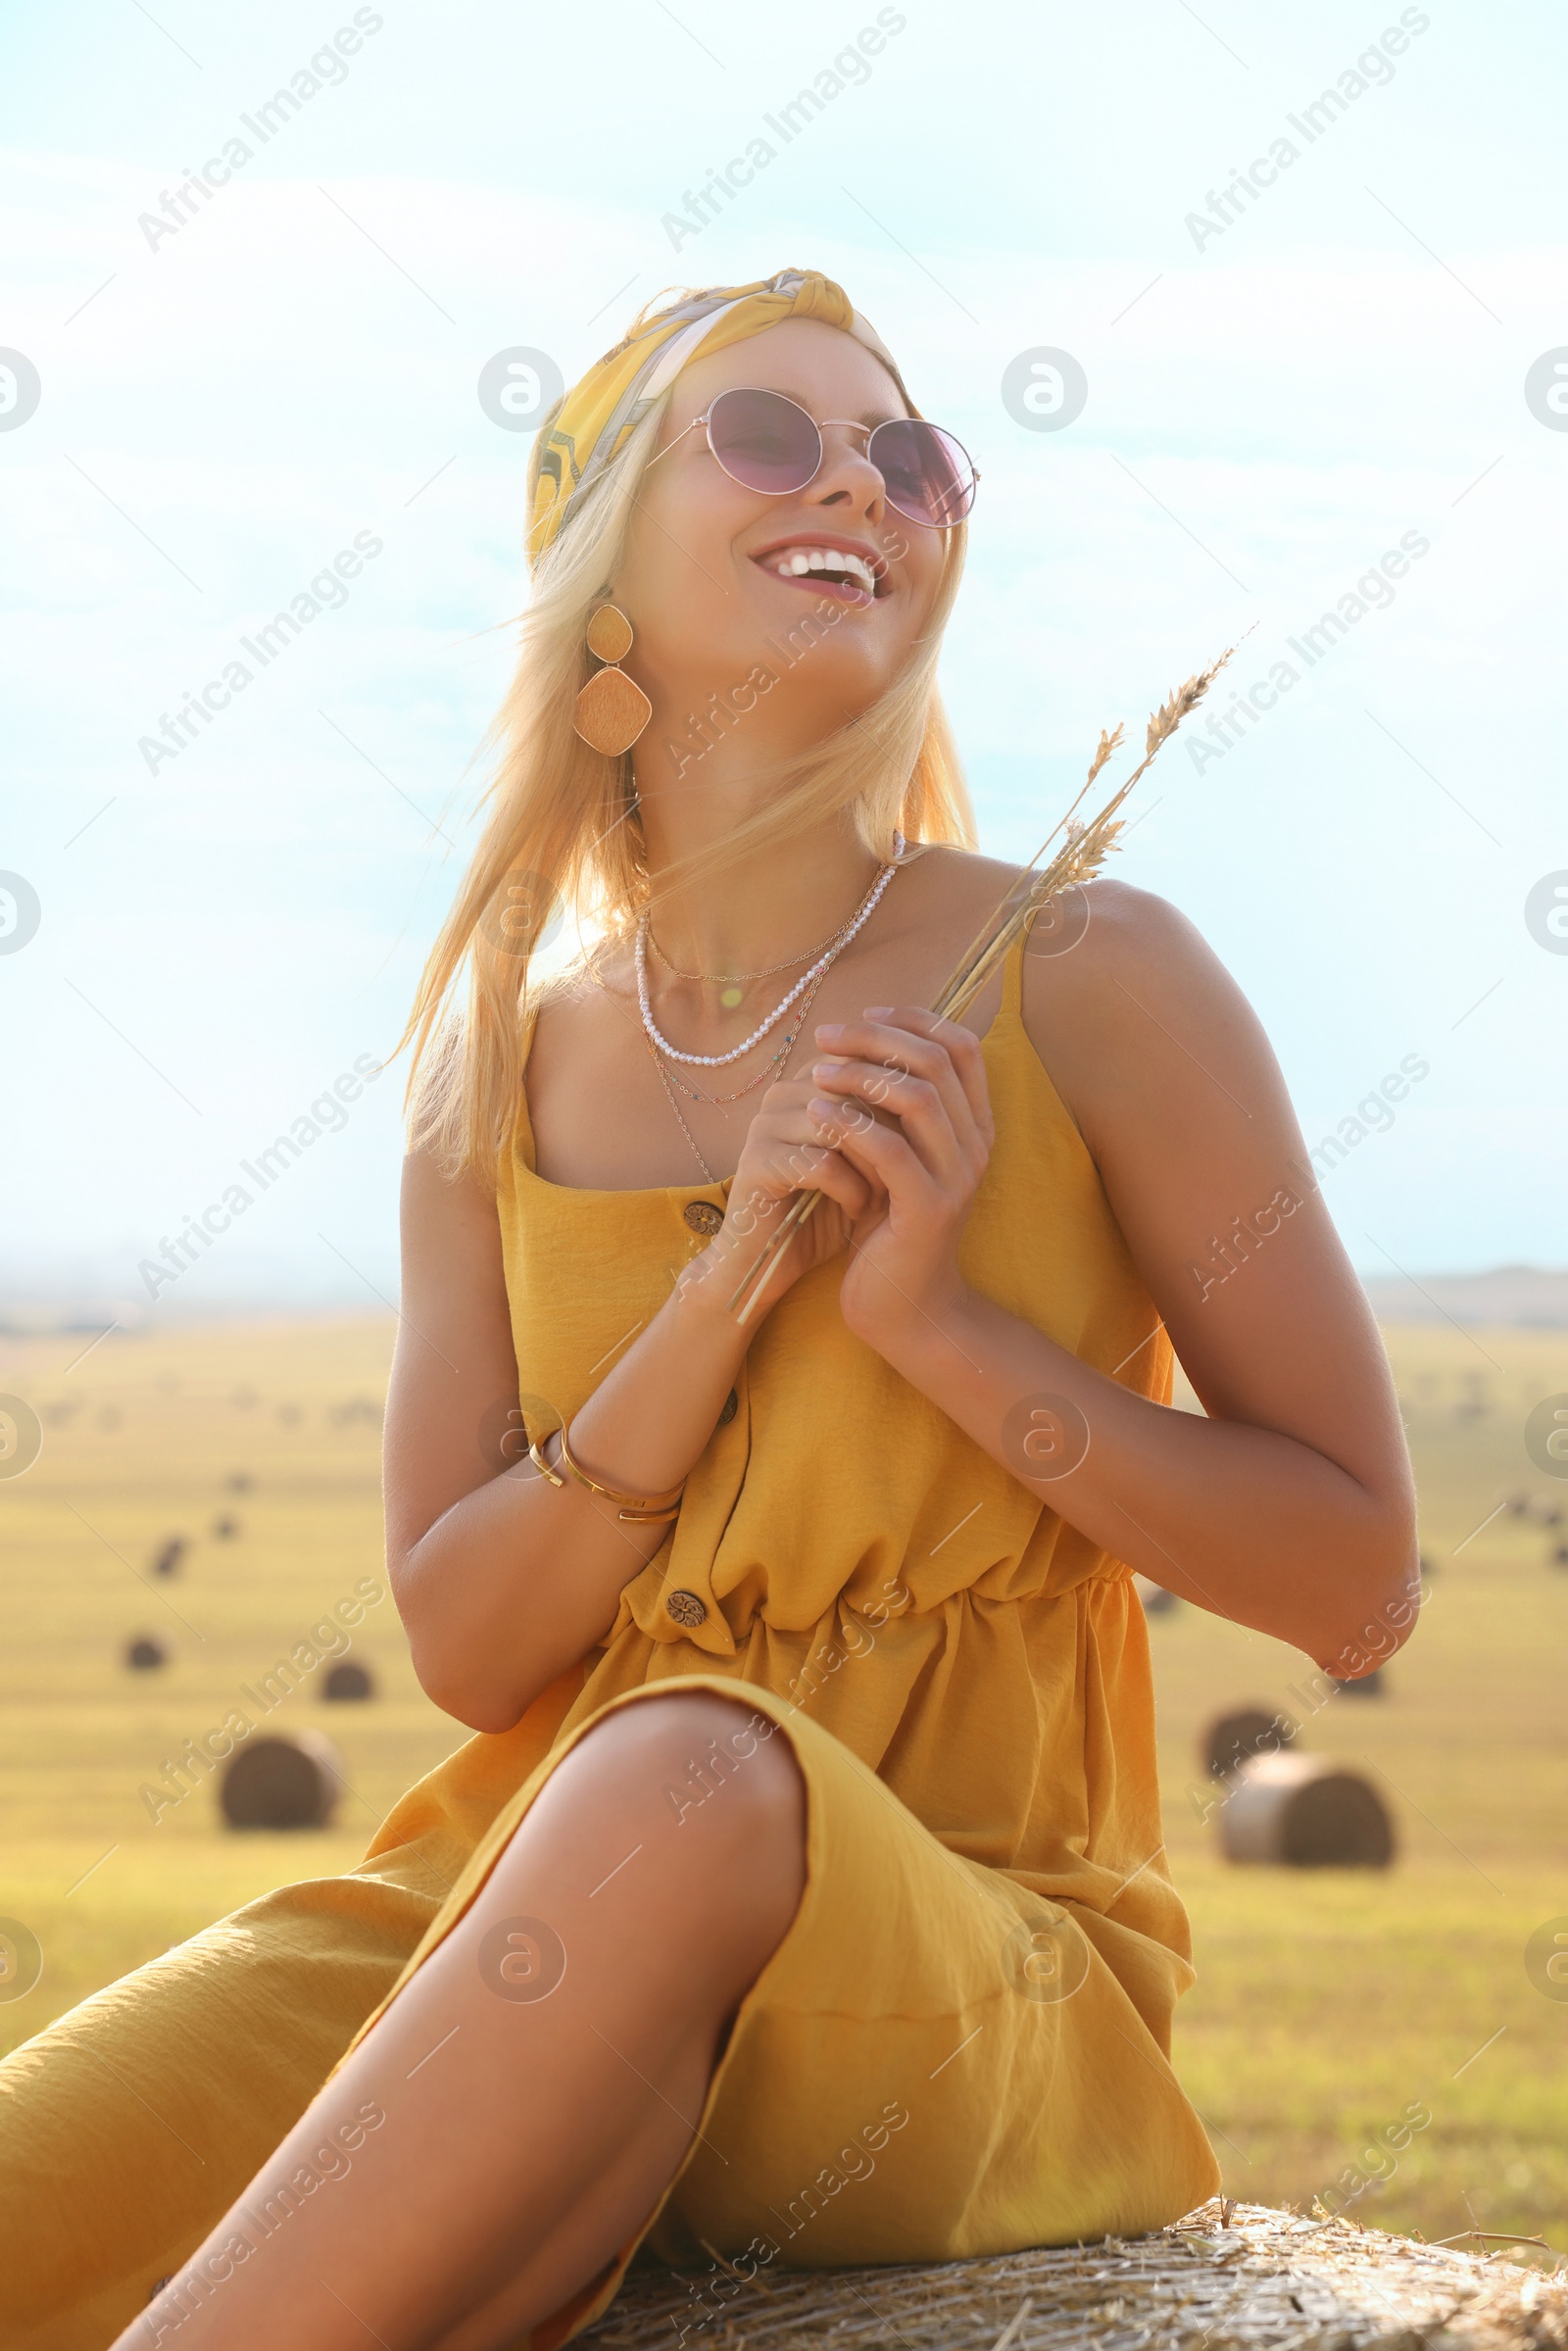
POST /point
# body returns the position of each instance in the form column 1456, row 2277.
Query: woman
column 802, row 1897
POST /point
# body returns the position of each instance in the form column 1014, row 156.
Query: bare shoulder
column 570, row 1005
column 439, row 1205
column 1176, row 1090
column 1108, row 930
column 957, row 884
column 587, row 1019
column 946, row 897
column 1125, row 1001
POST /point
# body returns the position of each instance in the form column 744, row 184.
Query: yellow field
column 1329, row 2003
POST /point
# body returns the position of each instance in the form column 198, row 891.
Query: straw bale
column 1229, row 2277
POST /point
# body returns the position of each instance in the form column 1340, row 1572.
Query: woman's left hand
column 902, row 1095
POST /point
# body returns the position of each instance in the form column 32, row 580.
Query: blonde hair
column 564, row 829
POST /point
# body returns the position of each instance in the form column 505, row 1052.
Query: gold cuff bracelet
column 639, row 1509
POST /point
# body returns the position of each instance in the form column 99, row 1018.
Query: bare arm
column 1290, row 1508
column 504, row 1580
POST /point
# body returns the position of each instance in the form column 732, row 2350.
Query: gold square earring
column 612, row 709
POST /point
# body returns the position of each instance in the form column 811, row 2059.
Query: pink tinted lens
column 764, row 441
column 927, row 472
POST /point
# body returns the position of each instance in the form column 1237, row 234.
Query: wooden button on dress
column 685, row 1607
column 703, row 1216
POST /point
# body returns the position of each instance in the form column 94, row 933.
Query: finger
column 789, row 1093
column 941, row 1052
column 963, row 1048
column 838, row 1181
column 922, row 1112
column 882, row 1152
column 834, row 1120
column 802, row 1158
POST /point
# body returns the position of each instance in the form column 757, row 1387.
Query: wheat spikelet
column 1107, row 743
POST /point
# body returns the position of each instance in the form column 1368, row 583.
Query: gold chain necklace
column 708, row 1176
column 716, row 1100
column 729, row 978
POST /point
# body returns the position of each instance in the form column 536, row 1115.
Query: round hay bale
column 169, row 1558
column 282, row 1783
column 1157, row 1602
column 1560, row 1557
column 1307, row 1812
column 226, row 1529
column 1365, row 1686
column 1231, row 1740
column 144, row 1655
column 347, row 1680
column 356, row 1408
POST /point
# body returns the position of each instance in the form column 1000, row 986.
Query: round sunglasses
column 767, row 441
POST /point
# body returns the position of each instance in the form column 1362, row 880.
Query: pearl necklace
column 768, row 1068
column 857, row 923
column 773, row 1069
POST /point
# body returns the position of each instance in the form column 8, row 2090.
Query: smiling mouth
column 829, row 570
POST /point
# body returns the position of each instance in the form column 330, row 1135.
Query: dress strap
column 523, row 1142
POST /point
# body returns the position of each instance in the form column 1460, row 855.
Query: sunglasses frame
column 852, row 423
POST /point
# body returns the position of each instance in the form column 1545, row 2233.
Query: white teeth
column 798, row 561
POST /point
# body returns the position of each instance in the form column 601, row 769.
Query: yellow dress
column 961, row 2044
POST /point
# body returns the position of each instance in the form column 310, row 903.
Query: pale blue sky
column 1272, row 407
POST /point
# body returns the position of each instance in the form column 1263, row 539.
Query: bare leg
column 522, row 2106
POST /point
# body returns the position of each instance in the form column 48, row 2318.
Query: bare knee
column 713, row 1795
column 690, row 1750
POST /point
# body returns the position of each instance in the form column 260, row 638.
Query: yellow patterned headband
column 594, row 419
